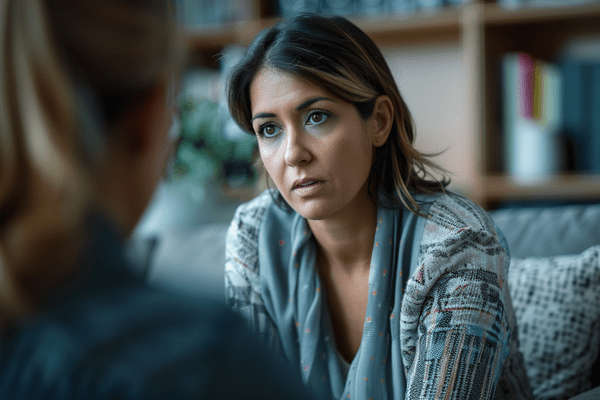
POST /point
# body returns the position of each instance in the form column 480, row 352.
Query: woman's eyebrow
column 311, row 101
column 298, row 108
column 262, row 115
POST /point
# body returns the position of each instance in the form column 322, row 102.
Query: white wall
column 431, row 80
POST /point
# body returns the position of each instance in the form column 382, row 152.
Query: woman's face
column 315, row 146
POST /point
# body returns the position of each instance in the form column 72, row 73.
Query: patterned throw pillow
column 557, row 305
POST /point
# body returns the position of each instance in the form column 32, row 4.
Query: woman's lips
column 304, row 184
column 308, row 187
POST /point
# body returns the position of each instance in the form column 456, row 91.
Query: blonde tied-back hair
column 335, row 54
column 55, row 57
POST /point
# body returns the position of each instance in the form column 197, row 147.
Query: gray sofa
column 555, row 287
column 549, row 231
column 545, row 244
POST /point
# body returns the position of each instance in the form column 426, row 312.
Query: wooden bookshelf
column 484, row 31
column 563, row 187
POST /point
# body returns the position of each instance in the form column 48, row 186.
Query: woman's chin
column 312, row 210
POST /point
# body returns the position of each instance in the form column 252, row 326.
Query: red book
column 525, row 88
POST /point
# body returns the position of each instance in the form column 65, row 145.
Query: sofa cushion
column 549, row 231
column 557, row 305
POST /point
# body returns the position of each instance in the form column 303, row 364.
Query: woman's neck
column 346, row 238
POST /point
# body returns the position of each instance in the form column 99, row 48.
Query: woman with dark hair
column 360, row 268
column 84, row 120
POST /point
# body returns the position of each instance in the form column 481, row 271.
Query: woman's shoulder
column 450, row 212
column 456, row 231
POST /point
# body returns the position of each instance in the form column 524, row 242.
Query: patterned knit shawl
column 294, row 297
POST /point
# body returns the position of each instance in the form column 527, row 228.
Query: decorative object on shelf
column 212, row 147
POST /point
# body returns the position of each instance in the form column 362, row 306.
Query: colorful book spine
column 551, row 94
column 532, row 114
column 525, row 85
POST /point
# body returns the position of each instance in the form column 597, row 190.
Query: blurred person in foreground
column 84, row 123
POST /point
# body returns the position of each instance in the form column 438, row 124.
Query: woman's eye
column 317, row 118
column 268, row 131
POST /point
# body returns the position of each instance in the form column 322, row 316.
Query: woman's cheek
column 274, row 165
column 268, row 154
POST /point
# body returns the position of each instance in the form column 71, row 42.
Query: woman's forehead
column 272, row 87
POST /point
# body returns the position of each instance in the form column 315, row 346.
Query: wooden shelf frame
column 562, row 187
column 495, row 14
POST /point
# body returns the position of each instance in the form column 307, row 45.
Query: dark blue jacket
column 109, row 336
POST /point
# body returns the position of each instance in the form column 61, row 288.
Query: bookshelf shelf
column 438, row 25
column 495, row 14
column 444, row 24
column 483, row 32
column 558, row 187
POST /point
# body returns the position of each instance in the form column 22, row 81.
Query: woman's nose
column 297, row 151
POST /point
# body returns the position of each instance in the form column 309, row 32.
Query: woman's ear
column 380, row 122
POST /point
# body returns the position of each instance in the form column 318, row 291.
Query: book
column 525, row 85
column 518, row 106
column 531, row 116
column 576, row 111
column 551, row 87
